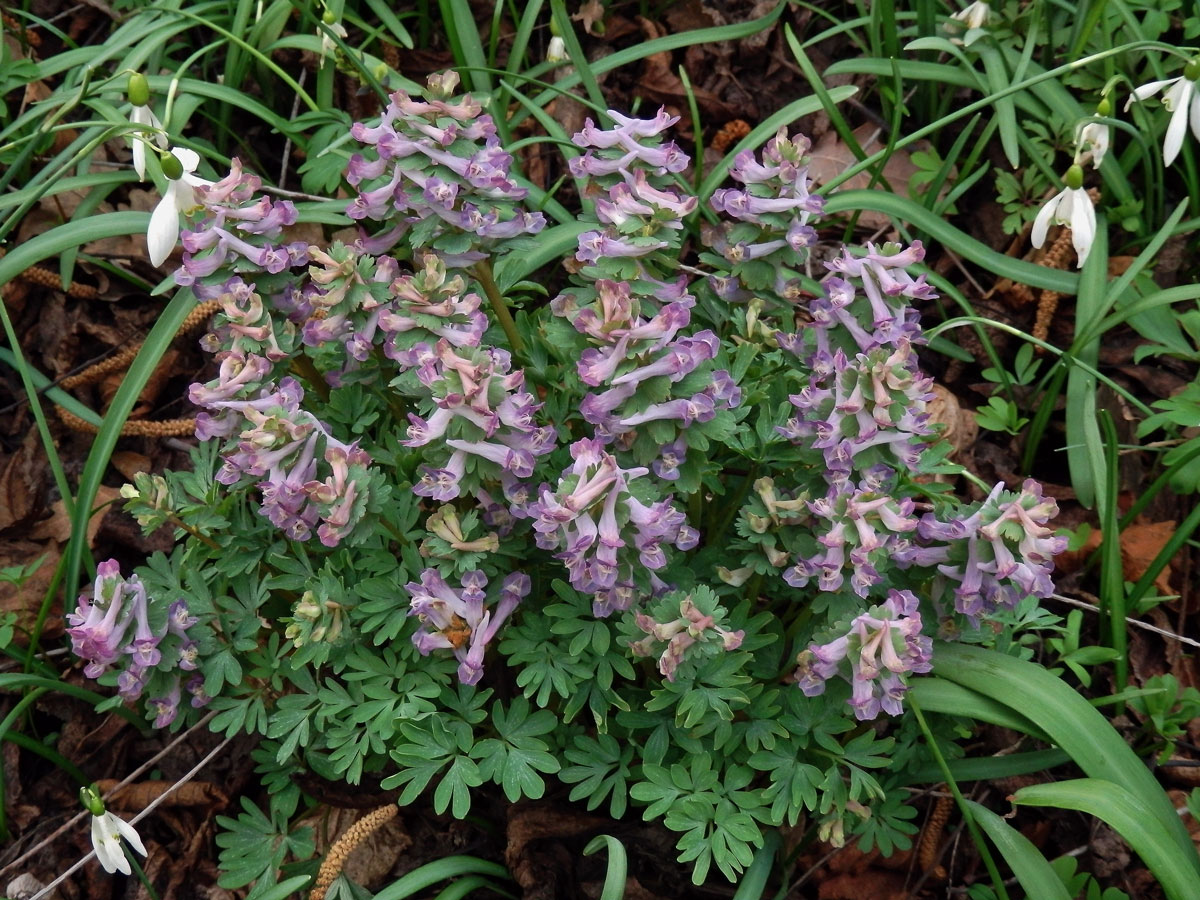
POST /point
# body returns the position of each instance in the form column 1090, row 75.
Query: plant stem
column 303, row 366
column 977, row 836
column 483, row 272
column 202, row 538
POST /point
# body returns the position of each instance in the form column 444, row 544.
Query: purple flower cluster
column 639, row 217
column 772, row 210
column 858, row 529
column 863, row 397
column 111, row 627
column 245, row 326
column 638, row 360
column 430, row 306
column 460, row 620
column 482, row 427
column 282, row 444
column 883, row 645
column 996, row 555
column 589, row 517
column 693, row 626
column 237, row 233
column 427, row 164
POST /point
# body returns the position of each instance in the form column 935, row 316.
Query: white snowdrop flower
column 974, row 15
column 1182, row 100
column 1071, row 207
column 1094, row 140
column 556, row 50
column 163, row 232
column 107, row 831
column 143, row 116
column 328, row 47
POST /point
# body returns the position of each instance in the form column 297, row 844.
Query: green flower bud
column 171, row 166
column 90, row 798
column 1104, row 107
column 138, row 90
column 1074, row 178
column 1192, row 70
column 328, row 17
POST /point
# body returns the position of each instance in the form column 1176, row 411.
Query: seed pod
column 171, row 166
column 138, row 90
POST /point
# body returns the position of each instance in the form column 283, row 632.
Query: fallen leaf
column 1140, row 543
column 661, row 83
column 590, row 12
column 830, row 157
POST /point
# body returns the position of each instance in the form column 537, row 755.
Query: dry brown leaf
column 962, row 429
column 830, row 157
column 591, row 12
column 660, row 83
column 872, row 883
column 1140, row 543
column 136, row 797
column 23, row 482
column 129, row 463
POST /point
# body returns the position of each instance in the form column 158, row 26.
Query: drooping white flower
column 107, row 831
column 556, row 50
column 1071, row 207
column 1182, row 100
column 328, row 47
column 163, row 232
column 1093, row 143
column 974, row 15
column 144, row 116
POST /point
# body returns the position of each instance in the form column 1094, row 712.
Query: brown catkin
column 48, row 279
column 120, row 361
column 931, row 838
column 335, row 860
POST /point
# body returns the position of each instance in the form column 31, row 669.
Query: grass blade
column 1070, row 721
column 618, row 866
column 1124, row 813
column 1027, row 863
column 906, row 210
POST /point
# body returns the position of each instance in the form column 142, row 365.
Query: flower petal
column 1173, row 142
column 108, row 846
column 1083, row 225
column 163, row 233
column 1147, row 90
column 1195, row 113
column 190, row 158
column 1042, row 223
column 130, row 834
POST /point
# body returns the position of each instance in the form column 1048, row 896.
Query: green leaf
column 616, row 873
column 1173, row 866
column 1070, row 721
column 1031, row 868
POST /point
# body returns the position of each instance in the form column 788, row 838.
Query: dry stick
column 1129, row 619
column 116, row 787
column 145, row 812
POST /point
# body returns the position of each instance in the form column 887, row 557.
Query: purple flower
column 165, row 708
column 882, row 645
column 459, row 620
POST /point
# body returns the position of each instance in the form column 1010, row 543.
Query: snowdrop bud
column 171, row 166
column 1104, row 107
column 1074, row 178
column 138, row 90
column 90, row 798
column 556, row 51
